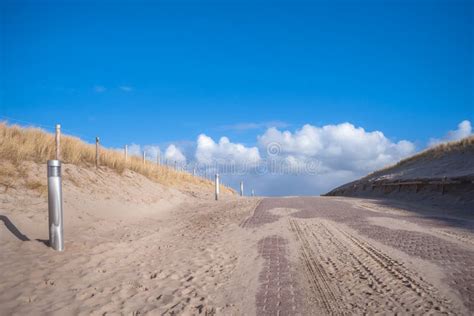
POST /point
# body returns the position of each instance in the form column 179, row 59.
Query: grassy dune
column 19, row 144
column 429, row 154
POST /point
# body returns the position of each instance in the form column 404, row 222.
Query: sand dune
column 132, row 246
column 135, row 246
column 440, row 176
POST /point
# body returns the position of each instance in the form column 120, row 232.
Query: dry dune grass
column 430, row 153
column 19, row 144
column 438, row 150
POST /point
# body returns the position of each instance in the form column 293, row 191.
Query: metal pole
column 58, row 142
column 253, row 192
column 55, row 205
column 97, row 152
column 194, row 171
column 241, row 188
column 158, row 156
column 126, row 152
column 217, row 186
column 144, row 157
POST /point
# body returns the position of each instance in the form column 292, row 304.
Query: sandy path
column 354, row 260
column 285, row 256
column 366, row 279
column 174, row 263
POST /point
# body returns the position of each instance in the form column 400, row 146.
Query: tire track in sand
column 326, row 292
column 349, row 275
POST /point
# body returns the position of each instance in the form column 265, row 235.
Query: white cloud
column 336, row 147
column 134, row 150
column 309, row 160
column 151, row 151
column 173, row 153
column 464, row 130
column 210, row 152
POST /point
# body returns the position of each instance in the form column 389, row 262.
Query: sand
column 423, row 175
column 132, row 246
column 136, row 247
column 355, row 256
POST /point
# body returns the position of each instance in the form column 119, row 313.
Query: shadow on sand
column 12, row 228
column 448, row 215
column 17, row 233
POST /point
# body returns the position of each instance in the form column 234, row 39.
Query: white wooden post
column 97, row 152
column 217, row 186
column 126, row 153
column 144, row 157
column 58, row 142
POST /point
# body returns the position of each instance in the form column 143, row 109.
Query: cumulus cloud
column 173, row 153
column 308, row 160
column 464, row 130
column 210, row 152
column 152, row 152
column 134, row 150
column 336, row 147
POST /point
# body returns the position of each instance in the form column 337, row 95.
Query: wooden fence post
column 97, row 152
column 217, row 188
column 58, row 142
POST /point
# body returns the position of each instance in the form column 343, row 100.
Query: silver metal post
column 241, row 188
column 144, row 157
column 217, row 186
column 253, row 192
column 126, row 152
column 55, row 205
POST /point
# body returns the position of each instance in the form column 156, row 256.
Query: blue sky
column 165, row 72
